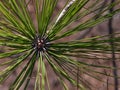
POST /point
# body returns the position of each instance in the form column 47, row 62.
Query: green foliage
column 30, row 43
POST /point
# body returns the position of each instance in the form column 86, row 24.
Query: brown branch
column 111, row 31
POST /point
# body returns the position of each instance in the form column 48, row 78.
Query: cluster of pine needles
column 29, row 42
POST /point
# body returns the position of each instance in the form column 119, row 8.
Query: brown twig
column 111, row 31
